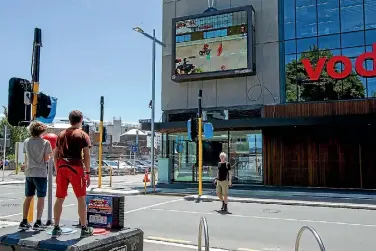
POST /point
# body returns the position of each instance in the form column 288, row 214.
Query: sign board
column 144, row 121
column 105, row 211
column 314, row 73
column 134, row 148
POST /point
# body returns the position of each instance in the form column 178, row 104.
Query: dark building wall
column 320, row 157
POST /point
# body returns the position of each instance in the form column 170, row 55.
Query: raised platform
column 116, row 240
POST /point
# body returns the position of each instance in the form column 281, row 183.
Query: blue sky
column 89, row 50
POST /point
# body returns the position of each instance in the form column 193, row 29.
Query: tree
column 17, row 133
column 299, row 88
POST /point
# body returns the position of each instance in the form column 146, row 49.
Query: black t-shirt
column 223, row 169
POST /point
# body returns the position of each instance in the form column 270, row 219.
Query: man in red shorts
column 71, row 169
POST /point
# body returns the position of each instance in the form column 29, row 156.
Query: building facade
column 304, row 119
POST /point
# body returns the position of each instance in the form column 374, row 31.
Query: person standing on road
column 38, row 151
column 70, row 169
column 223, row 180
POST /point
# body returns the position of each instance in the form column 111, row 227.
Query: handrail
column 203, row 224
column 315, row 234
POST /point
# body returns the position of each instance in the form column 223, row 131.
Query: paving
column 171, row 223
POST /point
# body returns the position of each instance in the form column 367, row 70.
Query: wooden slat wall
column 320, row 109
column 320, row 157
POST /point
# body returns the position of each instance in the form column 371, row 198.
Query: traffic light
column 46, row 108
column 104, row 135
column 19, row 101
column 85, row 128
column 192, row 129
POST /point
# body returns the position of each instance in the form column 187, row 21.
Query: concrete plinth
column 120, row 240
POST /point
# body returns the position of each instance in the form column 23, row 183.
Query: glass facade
column 326, row 28
column 244, row 150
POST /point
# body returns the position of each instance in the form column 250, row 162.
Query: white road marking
column 154, row 205
column 180, row 245
column 9, row 199
column 269, row 218
column 167, row 240
column 11, row 215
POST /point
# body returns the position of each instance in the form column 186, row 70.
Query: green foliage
column 324, row 89
column 17, row 133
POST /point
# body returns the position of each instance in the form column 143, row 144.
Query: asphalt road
column 247, row 227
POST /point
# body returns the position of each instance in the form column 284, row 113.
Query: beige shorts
column 222, row 187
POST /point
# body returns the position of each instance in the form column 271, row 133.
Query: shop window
column 329, row 42
column 352, row 39
column 289, row 19
column 290, row 47
column 306, row 18
column 306, row 44
column 370, row 17
column 371, row 36
column 352, row 15
column 328, row 17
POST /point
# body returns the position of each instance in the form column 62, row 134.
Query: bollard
column 203, row 226
column 145, row 185
column 49, row 190
column 110, row 176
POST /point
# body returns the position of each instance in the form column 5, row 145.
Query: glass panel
column 290, row 80
column 289, row 12
column 352, row 39
column 371, row 90
column 351, row 15
column 328, row 17
column 246, row 156
column 353, row 52
column 329, row 42
column 371, row 36
column 306, row 19
column 290, row 47
column 354, row 87
column 370, row 10
column 306, row 44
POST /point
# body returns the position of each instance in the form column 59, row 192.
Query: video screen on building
column 213, row 45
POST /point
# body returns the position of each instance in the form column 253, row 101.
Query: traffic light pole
column 199, row 143
column 35, row 79
column 100, row 143
column 5, row 149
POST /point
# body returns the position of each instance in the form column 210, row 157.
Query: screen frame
column 249, row 71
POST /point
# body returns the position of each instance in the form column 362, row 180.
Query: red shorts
column 73, row 174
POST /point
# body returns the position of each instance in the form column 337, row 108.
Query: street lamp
column 155, row 41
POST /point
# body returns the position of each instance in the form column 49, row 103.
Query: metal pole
column 199, row 143
column 203, row 226
column 100, row 143
column 315, row 234
column 50, row 178
column 5, row 148
column 35, row 75
column 153, row 113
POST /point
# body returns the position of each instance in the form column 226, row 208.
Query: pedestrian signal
column 19, row 113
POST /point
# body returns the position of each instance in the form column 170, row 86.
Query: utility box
column 164, row 171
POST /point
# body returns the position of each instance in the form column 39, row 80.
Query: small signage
column 144, row 121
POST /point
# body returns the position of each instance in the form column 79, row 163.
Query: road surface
column 171, row 223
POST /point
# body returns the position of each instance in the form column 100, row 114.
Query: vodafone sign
column 315, row 72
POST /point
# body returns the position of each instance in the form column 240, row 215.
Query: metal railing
column 203, row 226
column 315, row 234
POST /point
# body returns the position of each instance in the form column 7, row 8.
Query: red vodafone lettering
column 315, row 73
column 331, row 67
column 361, row 59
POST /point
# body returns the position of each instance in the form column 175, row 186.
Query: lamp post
column 155, row 41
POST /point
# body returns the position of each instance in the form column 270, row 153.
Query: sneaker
column 225, row 208
column 39, row 226
column 24, row 226
column 56, row 232
column 86, row 232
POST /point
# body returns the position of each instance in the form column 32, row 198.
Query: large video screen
column 213, row 45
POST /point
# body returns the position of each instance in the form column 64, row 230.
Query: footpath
column 318, row 197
